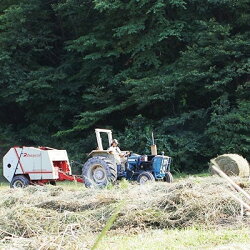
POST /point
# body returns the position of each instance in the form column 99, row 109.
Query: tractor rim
column 18, row 184
column 98, row 174
column 143, row 179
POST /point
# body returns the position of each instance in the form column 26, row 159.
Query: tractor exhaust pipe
column 153, row 146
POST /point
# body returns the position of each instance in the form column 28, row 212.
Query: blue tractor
column 101, row 168
column 145, row 168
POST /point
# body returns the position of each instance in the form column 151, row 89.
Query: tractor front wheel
column 98, row 172
column 145, row 177
column 19, row 181
column 168, row 177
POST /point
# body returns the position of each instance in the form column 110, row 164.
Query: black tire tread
column 168, row 177
column 22, row 178
column 111, row 169
column 148, row 174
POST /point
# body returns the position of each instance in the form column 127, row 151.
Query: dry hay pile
column 59, row 216
column 232, row 164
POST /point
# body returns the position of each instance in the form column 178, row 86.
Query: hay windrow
column 36, row 211
column 62, row 206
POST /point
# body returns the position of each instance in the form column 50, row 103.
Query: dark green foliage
column 177, row 67
column 233, row 125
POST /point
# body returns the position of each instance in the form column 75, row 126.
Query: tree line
column 179, row 68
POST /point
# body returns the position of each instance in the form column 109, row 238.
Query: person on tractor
column 115, row 150
column 120, row 158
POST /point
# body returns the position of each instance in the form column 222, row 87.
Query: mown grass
column 178, row 176
column 76, row 185
column 231, row 236
column 62, row 207
column 190, row 238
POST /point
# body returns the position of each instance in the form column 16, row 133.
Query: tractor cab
column 99, row 150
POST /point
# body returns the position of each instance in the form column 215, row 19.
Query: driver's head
column 114, row 143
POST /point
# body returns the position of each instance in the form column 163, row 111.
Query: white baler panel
column 10, row 161
column 58, row 155
column 31, row 160
column 47, row 166
column 35, row 162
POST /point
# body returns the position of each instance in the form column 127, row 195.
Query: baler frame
column 38, row 165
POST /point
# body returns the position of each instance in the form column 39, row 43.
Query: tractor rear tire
column 19, row 181
column 99, row 172
column 145, row 177
column 168, row 177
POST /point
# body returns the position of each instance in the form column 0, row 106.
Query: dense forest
column 179, row 68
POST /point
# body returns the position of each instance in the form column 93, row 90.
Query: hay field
column 192, row 213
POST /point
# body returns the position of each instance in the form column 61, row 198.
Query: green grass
column 185, row 175
column 3, row 182
column 2, row 179
column 4, row 185
column 191, row 238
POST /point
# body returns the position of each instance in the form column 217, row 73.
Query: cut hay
column 232, row 164
column 63, row 218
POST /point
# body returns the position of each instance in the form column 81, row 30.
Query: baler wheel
column 98, row 172
column 19, row 181
column 168, row 177
column 145, row 177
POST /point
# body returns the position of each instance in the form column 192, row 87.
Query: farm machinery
column 101, row 168
column 23, row 166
